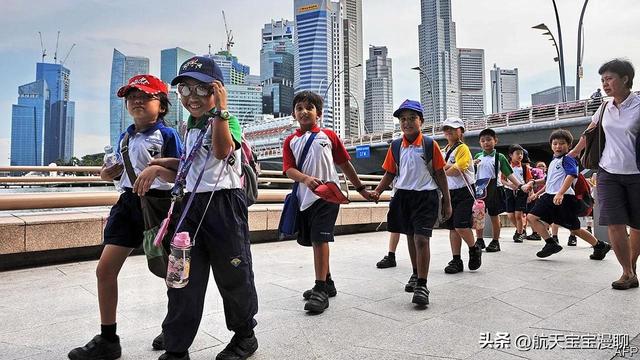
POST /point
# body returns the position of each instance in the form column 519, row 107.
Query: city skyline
column 122, row 28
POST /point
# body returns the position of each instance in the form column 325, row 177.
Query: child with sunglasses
column 216, row 220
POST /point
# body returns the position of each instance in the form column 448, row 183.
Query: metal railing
column 529, row 115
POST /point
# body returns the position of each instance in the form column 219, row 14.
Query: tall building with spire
column 438, row 62
column 170, row 61
column 123, row 67
column 378, row 101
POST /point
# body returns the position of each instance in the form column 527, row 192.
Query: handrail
column 89, row 169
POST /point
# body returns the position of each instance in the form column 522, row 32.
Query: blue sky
column 143, row 28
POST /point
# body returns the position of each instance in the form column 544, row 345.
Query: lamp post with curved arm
column 433, row 98
column 324, row 95
column 559, row 57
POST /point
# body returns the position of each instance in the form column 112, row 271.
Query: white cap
column 454, row 123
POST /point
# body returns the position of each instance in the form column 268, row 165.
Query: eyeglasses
column 137, row 95
column 198, row 90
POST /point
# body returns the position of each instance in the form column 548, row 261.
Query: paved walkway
column 44, row 312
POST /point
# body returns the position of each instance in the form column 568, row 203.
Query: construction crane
column 55, row 53
column 68, row 52
column 44, row 51
column 229, row 35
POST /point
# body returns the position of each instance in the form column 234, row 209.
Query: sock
column 457, row 257
column 391, row 255
column 421, row 282
column 479, row 239
column 178, row 354
column 320, row 286
column 246, row 333
column 109, row 332
column 415, row 271
column 328, row 279
column 555, row 237
column 551, row 240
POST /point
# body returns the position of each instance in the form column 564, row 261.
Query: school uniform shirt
column 487, row 169
column 155, row 142
column 521, row 172
column 413, row 174
column 621, row 127
column 559, row 169
column 460, row 158
column 326, row 150
column 230, row 177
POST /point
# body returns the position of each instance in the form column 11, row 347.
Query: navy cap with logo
column 409, row 105
column 201, row 68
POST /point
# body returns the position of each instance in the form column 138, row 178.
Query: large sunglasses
column 198, row 90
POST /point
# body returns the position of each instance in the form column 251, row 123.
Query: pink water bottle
column 478, row 214
column 179, row 261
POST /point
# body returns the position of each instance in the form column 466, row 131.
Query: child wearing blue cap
column 416, row 163
column 216, row 220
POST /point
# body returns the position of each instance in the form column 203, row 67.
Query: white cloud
column 89, row 144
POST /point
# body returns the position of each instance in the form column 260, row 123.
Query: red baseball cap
column 147, row 83
column 331, row 192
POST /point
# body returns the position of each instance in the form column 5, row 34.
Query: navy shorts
column 317, row 223
column 413, row 212
column 619, row 199
column 565, row 214
column 125, row 224
column 462, row 206
column 530, row 206
column 515, row 202
column 495, row 201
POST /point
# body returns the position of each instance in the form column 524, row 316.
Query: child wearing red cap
column 145, row 140
column 317, row 217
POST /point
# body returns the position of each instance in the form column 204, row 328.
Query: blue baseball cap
column 409, row 105
column 201, row 68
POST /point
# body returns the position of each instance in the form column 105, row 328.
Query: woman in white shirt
column 618, row 187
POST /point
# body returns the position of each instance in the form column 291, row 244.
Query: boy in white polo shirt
column 413, row 211
column 317, row 217
column 559, row 205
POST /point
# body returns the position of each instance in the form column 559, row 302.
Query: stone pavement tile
column 608, row 311
column 495, row 280
column 491, row 315
column 568, row 283
column 432, row 337
column 269, row 292
column 530, row 271
column 492, row 354
column 363, row 353
column 539, row 303
column 11, row 351
column 524, row 343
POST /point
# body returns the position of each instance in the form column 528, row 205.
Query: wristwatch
column 222, row 114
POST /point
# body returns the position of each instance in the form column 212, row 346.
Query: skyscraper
column 318, row 56
column 378, row 101
column 245, row 102
column 353, row 92
column 276, row 68
column 122, row 69
column 170, row 61
column 59, row 127
column 471, row 79
column 28, row 119
column 438, row 62
column 504, row 90
column 233, row 71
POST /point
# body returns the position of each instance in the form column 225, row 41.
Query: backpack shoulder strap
column 124, row 150
column 395, row 152
column 497, row 164
column 427, row 148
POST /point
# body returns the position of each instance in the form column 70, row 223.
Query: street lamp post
column 433, row 99
column 358, row 110
column 334, row 79
column 558, row 58
column 580, row 51
column 564, row 82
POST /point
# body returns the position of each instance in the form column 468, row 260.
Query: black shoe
column 97, row 348
column 549, row 249
column 158, row 342
column 421, row 296
column 534, row 236
column 572, row 240
column 494, row 246
column 475, row 258
column 555, row 237
column 331, row 290
column 480, row 244
column 317, row 303
column 386, row 262
column 167, row 356
column 600, row 250
column 516, row 237
column 239, row 348
column 454, row 267
column 411, row 284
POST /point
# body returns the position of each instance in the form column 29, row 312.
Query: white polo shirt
column 153, row 143
column 460, row 157
column 559, row 169
column 413, row 174
column 621, row 127
column 325, row 151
